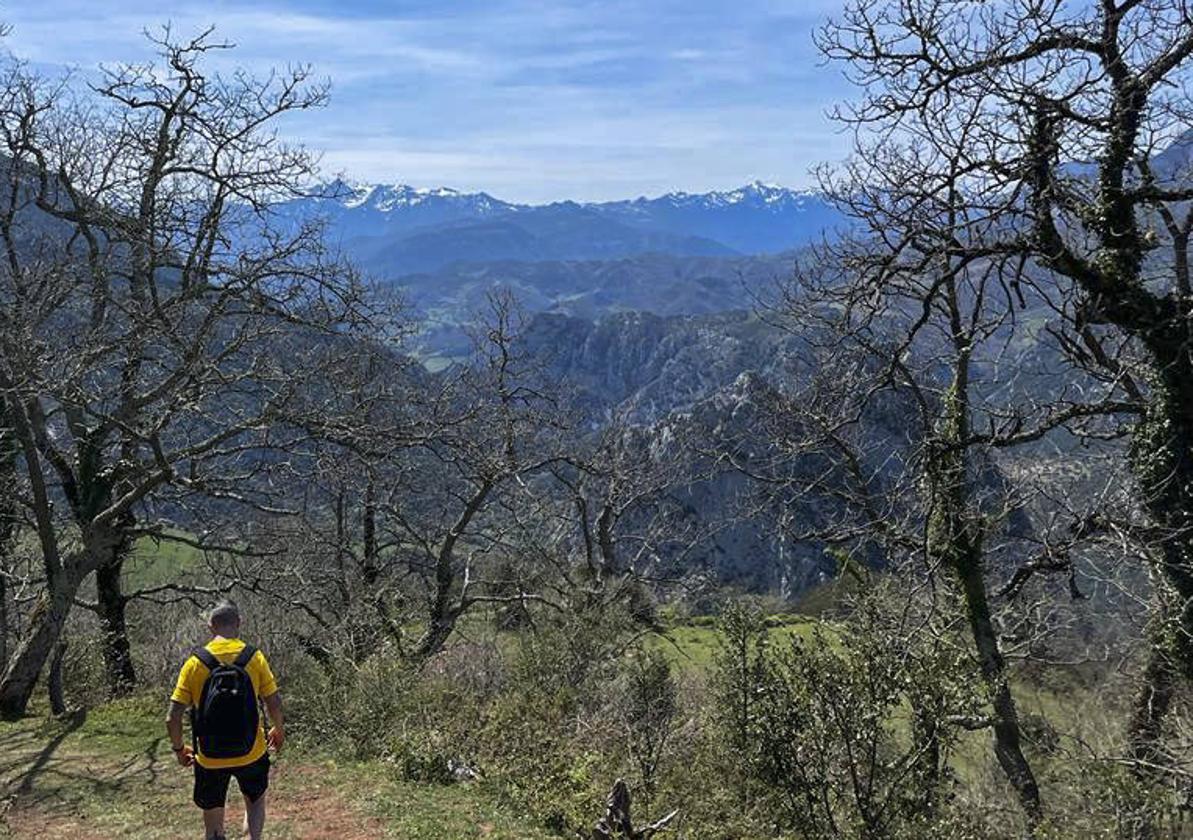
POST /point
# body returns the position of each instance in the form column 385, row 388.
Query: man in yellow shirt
column 221, row 684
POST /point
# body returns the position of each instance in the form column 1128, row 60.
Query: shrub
column 352, row 709
column 843, row 732
column 651, row 708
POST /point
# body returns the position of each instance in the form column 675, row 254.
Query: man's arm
column 184, row 754
column 277, row 729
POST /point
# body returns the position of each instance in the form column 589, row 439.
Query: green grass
column 123, row 726
column 429, row 811
column 155, row 562
column 152, row 562
column 692, row 645
column 111, row 770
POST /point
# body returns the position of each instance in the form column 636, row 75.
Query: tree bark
column 1008, row 748
column 8, row 524
column 954, row 541
column 1162, row 461
column 1147, row 714
column 3, row 618
column 618, row 821
column 1145, row 730
column 925, row 733
column 112, row 606
column 955, row 538
column 36, row 646
column 448, row 605
column 54, row 682
column 440, row 629
column 7, row 534
column 370, row 566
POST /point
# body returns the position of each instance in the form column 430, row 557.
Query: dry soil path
column 56, row 788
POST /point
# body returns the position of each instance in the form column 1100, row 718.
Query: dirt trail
column 307, row 808
column 306, row 816
column 57, row 789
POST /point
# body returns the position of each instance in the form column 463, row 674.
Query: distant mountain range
column 398, row 230
column 677, row 254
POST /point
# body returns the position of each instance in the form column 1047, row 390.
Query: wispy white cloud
column 536, row 100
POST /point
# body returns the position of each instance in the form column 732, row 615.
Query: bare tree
column 447, row 515
column 616, row 522
column 167, row 351
column 9, row 522
column 408, row 511
column 901, row 425
column 1057, row 117
column 470, row 489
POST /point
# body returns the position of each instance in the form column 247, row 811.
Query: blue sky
column 530, row 101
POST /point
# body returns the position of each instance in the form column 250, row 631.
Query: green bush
column 844, row 735
column 421, row 759
column 352, row 710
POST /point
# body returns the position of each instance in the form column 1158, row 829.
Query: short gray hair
column 225, row 613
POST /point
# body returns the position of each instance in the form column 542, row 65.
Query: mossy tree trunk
column 955, row 542
column 1162, row 460
column 8, row 523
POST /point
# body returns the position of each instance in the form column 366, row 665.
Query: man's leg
column 254, row 817
column 211, row 789
column 254, row 781
column 213, row 824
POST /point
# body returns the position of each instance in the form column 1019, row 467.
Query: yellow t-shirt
column 190, row 687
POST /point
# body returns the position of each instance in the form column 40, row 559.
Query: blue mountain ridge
column 399, row 230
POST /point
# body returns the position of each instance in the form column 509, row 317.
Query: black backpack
column 226, row 719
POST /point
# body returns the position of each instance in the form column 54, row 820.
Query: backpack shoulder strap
column 206, row 657
column 245, row 656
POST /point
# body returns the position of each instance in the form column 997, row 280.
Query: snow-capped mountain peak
column 754, row 194
column 757, row 218
column 387, row 198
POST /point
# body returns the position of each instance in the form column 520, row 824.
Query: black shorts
column 211, row 786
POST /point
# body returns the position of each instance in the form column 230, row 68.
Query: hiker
column 222, row 684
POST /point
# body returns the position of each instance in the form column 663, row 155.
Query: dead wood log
column 618, row 821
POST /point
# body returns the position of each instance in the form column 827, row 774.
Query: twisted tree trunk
column 37, row 645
